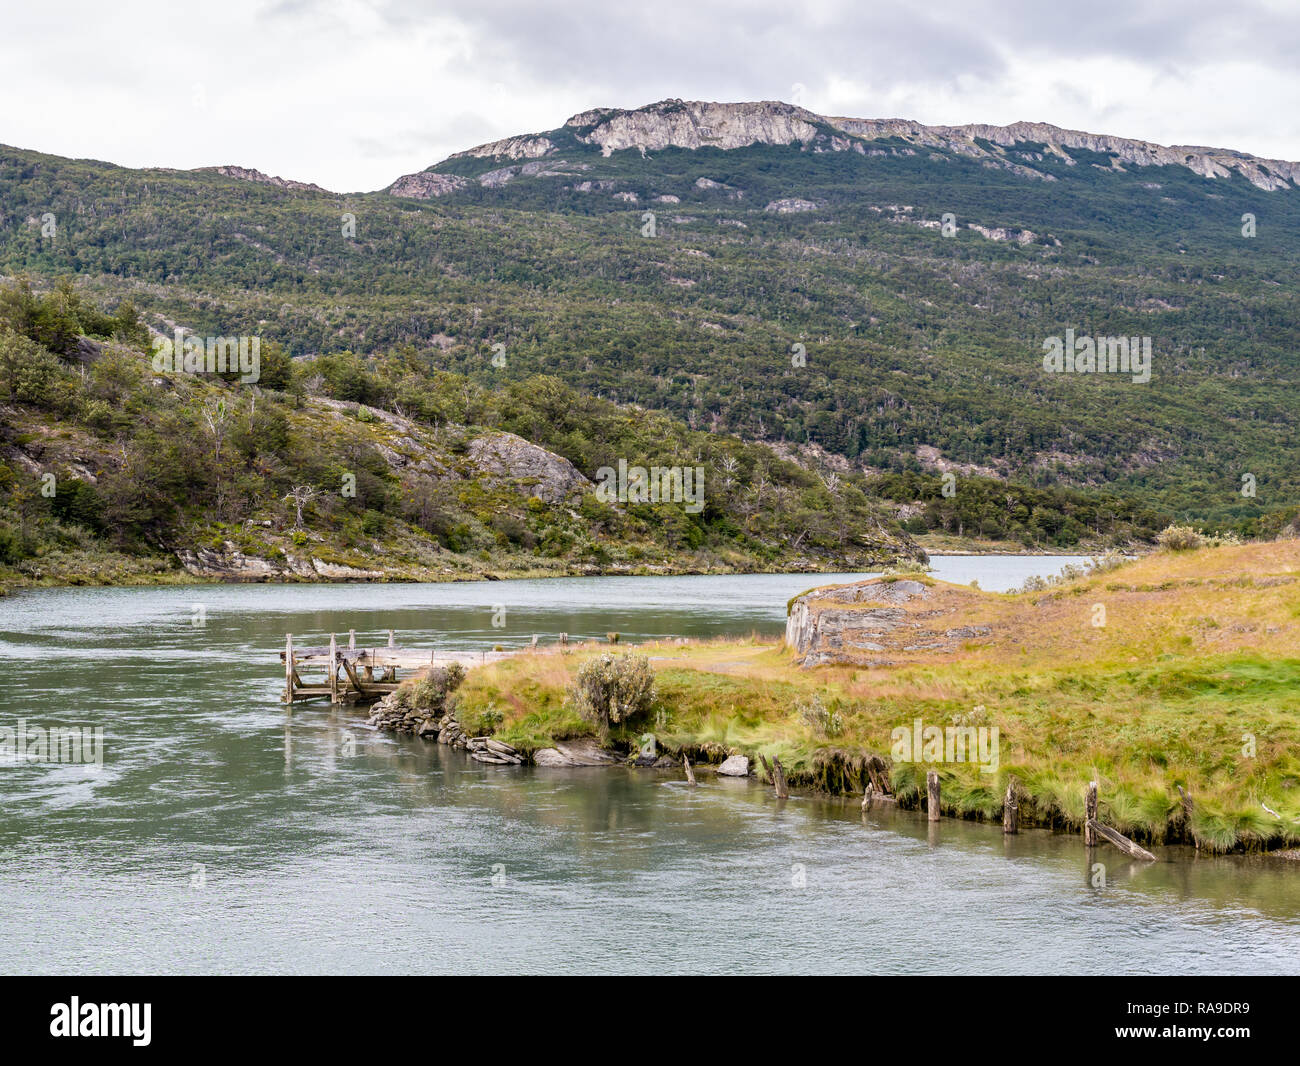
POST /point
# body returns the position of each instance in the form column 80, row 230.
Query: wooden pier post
column 288, row 668
column 1090, row 816
column 777, row 775
column 391, row 639
column 686, row 765
column 1120, row 841
column 1011, row 808
column 352, row 640
column 334, row 670
column 932, row 795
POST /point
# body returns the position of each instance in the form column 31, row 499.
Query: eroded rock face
column 851, row 623
column 573, row 753
column 703, row 124
column 231, row 564
column 249, row 174
column 553, row 478
column 790, row 206
column 426, row 185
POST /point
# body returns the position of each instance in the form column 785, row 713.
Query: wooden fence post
column 288, row 668
column 1090, row 816
column 334, row 670
column 1011, row 808
column 932, row 794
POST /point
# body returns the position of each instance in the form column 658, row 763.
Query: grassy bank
column 1193, row 681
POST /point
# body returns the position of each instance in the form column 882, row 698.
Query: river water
column 223, row 834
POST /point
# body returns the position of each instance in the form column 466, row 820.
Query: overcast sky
column 351, row 94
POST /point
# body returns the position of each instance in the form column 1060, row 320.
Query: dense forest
column 847, row 330
column 369, row 462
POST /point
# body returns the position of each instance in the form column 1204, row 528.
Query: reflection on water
column 224, row 834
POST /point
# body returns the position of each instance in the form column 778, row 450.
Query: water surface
column 226, row 834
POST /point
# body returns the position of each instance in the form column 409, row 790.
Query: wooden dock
column 355, row 675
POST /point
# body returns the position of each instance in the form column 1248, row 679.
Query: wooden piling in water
column 1011, row 808
column 777, row 774
column 1188, row 810
column 1120, row 841
column 334, row 670
column 288, row 668
column 932, row 795
column 782, row 790
column 1090, row 816
column 686, row 765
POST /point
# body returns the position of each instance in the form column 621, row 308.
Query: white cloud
column 350, row 94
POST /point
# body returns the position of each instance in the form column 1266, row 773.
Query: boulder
column 573, row 753
column 735, row 766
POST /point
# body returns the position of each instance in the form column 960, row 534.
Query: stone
column 584, row 752
column 549, row 477
column 734, row 766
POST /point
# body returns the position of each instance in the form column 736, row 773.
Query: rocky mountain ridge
column 704, row 124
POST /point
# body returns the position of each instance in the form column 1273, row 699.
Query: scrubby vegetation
column 364, row 462
column 612, row 690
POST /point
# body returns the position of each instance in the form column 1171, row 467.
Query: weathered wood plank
column 1090, row 815
column 1011, row 808
column 1120, row 841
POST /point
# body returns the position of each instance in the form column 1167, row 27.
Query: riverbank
column 1192, row 682
column 109, row 569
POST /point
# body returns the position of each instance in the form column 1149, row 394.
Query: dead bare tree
column 301, row 495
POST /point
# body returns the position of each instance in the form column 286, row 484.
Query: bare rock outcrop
column 584, row 752
column 790, row 206
column 1020, row 148
column 548, row 476
column 249, row 174
column 426, row 185
column 858, row 623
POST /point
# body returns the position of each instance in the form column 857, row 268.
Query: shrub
column 431, row 692
column 612, row 689
column 1179, row 539
column 28, row 370
column 820, row 719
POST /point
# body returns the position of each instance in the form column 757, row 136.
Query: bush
column 1179, row 539
column 28, row 370
column 611, row 690
column 431, row 692
column 820, row 719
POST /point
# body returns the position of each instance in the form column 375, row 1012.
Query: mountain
column 1019, row 148
column 870, row 298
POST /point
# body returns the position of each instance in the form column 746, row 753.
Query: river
column 223, row 834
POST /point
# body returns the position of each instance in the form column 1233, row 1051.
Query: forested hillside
column 386, row 467
column 803, row 298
